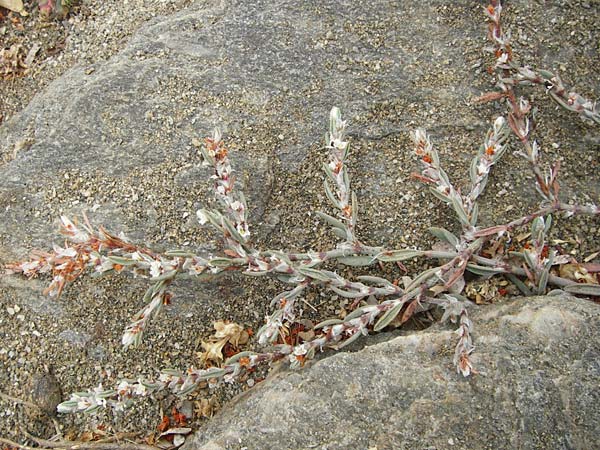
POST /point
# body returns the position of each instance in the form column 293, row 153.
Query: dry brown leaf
column 306, row 335
column 232, row 332
column 213, row 351
column 13, row 5
column 205, row 407
column 576, row 272
column 11, row 62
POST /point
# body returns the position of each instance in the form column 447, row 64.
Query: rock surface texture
column 117, row 139
column 538, row 388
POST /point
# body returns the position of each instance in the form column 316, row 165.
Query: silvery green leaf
column 335, row 115
column 473, row 168
column 389, row 315
column 256, row 273
column 356, row 313
column 548, row 224
column 181, row 253
column 284, row 278
column 330, row 195
column 121, row 261
column 560, row 101
column 282, row 256
column 329, row 172
column 313, row 273
column 436, row 160
column 107, row 394
column 188, row 390
column 279, row 296
column 346, row 342
column 358, row 261
column 328, row 323
column 148, row 294
column 342, row 234
column 331, row 220
column 91, row 409
column 214, row 217
column 459, row 209
column 220, row 262
column 346, row 151
column 438, row 194
column 483, row 270
column 475, row 212
column 546, row 74
column 543, row 280
column 206, row 156
column 237, row 356
column 399, row 255
column 583, row 289
column 346, row 179
column 212, row 373
column 82, row 394
column 424, row 276
column 537, row 226
column 148, row 385
column 529, row 260
column 354, row 208
column 173, row 373
column 444, row 177
column 166, row 276
column 519, row 284
column 242, row 198
column 499, row 153
column 444, row 235
column 374, row 280
column 347, row 294
column 67, row 407
column 232, row 231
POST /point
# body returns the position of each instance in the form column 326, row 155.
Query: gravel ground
column 96, row 30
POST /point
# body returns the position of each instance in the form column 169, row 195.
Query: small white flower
column 155, row 271
column 202, row 217
column 502, row 59
column 123, row 388
column 128, row 338
column 217, row 135
column 242, row 229
column 499, row 124
column 301, row 349
column 482, row 168
column 83, row 403
column 68, row 252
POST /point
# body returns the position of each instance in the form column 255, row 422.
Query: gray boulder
column 538, row 360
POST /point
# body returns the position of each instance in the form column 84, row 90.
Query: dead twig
column 104, row 444
column 10, row 398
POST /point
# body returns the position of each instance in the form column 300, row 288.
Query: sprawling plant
column 532, row 269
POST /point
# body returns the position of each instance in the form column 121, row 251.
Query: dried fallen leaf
column 205, row 407
column 306, row 335
column 11, row 62
column 164, row 424
column 213, row 351
column 576, row 272
column 13, row 5
column 31, row 54
column 234, row 333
